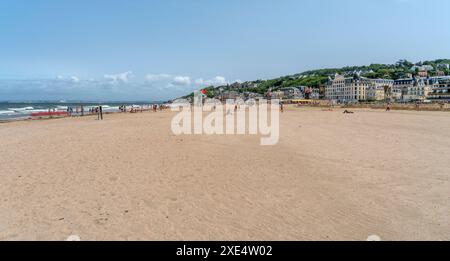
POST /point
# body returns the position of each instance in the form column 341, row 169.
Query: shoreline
column 44, row 118
column 394, row 107
column 42, row 110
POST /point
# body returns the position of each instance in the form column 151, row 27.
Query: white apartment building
column 356, row 88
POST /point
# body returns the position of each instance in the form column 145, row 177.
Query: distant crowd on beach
column 76, row 111
column 135, row 109
column 81, row 110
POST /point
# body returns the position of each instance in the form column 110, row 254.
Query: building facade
column 440, row 90
column 353, row 89
column 413, row 89
column 375, row 93
column 422, row 73
column 292, row 93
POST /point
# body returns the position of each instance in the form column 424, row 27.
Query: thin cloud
column 157, row 77
column 181, row 81
column 75, row 79
column 119, row 77
column 216, row 81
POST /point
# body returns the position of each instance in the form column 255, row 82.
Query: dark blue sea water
column 23, row 110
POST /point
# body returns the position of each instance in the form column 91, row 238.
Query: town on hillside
column 403, row 82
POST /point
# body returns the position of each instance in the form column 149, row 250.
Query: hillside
column 318, row 78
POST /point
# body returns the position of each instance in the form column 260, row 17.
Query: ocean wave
column 7, row 112
column 37, row 110
column 21, row 109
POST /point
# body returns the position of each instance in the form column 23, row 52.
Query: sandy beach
column 331, row 177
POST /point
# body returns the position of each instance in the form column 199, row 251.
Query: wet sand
column 331, row 177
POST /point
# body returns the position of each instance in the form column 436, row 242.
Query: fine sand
column 331, row 177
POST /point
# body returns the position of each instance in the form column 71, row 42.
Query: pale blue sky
column 122, row 49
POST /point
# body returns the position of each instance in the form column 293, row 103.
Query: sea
column 23, row 110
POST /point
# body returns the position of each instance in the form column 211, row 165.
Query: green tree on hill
column 318, row 78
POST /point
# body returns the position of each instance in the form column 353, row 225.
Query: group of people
column 94, row 110
column 123, row 108
column 79, row 110
column 97, row 110
column 135, row 109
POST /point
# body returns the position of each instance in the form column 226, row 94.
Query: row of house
column 357, row 88
column 287, row 93
column 299, row 92
column 429, row 67
column 232, row 95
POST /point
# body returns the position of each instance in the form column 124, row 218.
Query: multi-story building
column 229, row 95
column 315, row 95
column 356, row 88
column 441, row 90
column 440, row 73
column 253, row 95
column 443, row 66
column 291, row 93
column 438, row 78
column 276, row 94
column 422, row 68
column 414, row 88
column 396, row 93
column 423, row 73
column 375, row 93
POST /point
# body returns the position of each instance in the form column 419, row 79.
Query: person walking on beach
column 388, row 107
column 99, row 110
column 281, row 107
